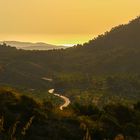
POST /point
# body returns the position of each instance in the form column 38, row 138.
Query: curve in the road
column 66, row 100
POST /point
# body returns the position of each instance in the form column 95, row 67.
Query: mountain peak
column 122, row 35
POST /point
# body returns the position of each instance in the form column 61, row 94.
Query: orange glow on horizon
column 63, row 21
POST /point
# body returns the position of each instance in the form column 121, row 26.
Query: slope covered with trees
column 42, row 121
column 116, row 51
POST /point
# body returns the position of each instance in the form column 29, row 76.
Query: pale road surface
column 66, row 100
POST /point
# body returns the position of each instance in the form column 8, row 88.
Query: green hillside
column 24, row 118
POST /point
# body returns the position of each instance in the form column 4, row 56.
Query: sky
column 62, row 21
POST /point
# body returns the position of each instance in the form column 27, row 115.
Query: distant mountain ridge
column 32, row 46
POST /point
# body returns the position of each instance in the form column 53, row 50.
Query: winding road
column 51, row 91
column 66, row 100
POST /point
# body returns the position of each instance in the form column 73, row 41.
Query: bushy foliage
column 24, row 118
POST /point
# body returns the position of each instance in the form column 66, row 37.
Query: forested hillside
column 24, row 118
column 115, row 52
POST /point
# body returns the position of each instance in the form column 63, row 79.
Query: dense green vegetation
column 22, row 117
column 100, row 90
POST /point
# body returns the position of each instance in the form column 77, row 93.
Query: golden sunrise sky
column 62, row 21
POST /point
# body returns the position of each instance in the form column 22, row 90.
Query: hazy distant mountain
column 32, row 46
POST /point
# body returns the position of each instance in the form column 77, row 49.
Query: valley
column 89, row 91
